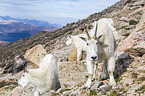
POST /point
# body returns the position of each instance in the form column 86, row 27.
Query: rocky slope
column 129, row 20
column 2, row 43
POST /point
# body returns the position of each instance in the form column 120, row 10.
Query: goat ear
column 26, row 71
column 99, row 36
column 69, row 37
column 83, row 38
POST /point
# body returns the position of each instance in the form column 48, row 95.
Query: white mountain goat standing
column 79, row 44
column 44, row 79
column 100, row 48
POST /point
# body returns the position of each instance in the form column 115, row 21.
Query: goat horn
column 96, row 30
column 87, row 33
column 25, row 70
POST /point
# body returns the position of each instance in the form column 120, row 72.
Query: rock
column 96, row 85
column 141, row 69
column 138, row 50
column 127, row 43
column 127, row 1
column 11, row 81
column 133, row 21
column 131, row 40
column 124, row 56
column 141, row 24
column 128, row 28
column 20, row 63
column 125, row 19
column 133, row 89
column 18, row 60
column 143, row 84
column 117, row 54
column 123, row 61
column 58, row 91
column 137, row 11
column 35, row 54
column 73, row 72
column 16, row 65
column 16, row 91
column 123, row 24
column 104, row 88
column 73, row 55
column 141, row 77
column 126, row 81
column 58, row 86
column 2, row 64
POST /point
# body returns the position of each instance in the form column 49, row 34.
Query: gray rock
column 96, row 85
column 104, row 88
column 124, row 56
column 133, row 89
column 16, row 91
column 2, row 64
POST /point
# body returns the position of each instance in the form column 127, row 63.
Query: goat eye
column 87, row 44
column 23, row 75
column 97, row 43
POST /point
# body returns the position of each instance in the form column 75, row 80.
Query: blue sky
column 53, row 11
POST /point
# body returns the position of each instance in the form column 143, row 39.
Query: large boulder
column 35, row 54
column 137, row 50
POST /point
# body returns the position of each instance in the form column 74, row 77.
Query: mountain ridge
column 33, row 21
column 11, row 30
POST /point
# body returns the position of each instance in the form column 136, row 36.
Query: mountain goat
column 44, row 79
column 79, row 44
column 100, row 48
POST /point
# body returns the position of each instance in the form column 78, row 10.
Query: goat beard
column 95, row 61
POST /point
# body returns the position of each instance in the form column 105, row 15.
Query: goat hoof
column 88, row 84
column 113, row 84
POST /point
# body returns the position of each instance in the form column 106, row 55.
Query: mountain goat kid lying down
column 44, row 79
column 79, row 44
column 100, row 48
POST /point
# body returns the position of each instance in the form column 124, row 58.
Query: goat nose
column 94, row 57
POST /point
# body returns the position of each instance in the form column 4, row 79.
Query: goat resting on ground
column 44, row 79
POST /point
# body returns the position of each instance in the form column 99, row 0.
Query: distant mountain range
column 13, row 30
column 35, row 22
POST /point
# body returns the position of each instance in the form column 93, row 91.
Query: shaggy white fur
column 44, row 79
column 79, row 44
column 100, row 48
